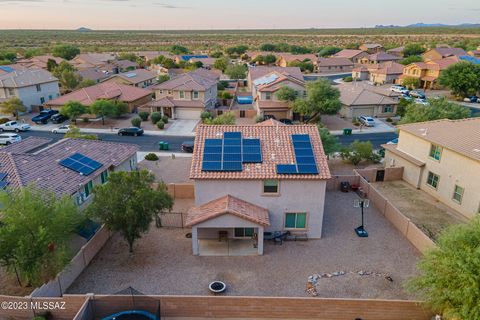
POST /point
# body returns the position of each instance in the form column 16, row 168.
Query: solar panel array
column 3, row 183
column 265, row 80
column 230, row 152
column 304, row 157
column 81, row 164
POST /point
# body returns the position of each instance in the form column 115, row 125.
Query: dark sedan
column 187, row 146
column 132, row 131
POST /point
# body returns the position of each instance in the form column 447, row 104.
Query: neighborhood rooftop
column 25, row 78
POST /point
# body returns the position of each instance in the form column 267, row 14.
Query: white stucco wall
column 294, row 196
column 31, row 97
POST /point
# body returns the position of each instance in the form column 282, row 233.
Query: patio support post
column 161, row 112
column 195, row 241
column 260, row 241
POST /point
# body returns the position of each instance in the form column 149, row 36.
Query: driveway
column 182, row 127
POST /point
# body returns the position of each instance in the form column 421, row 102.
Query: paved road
column 150, row 143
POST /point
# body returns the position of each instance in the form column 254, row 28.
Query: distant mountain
column 426, row 25
column 83, row 29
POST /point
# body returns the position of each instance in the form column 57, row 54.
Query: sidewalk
column 141, row 155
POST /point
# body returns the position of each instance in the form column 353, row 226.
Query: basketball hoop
column 361, row 203
column 356, row 203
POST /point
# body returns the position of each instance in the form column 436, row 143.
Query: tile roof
column 360, row 95
column 170, row 102
column 334, row 61
column 95, row 59
column 42, row 167
column 210, row 74
column 289, row 57
column 347, row 53
column 461, row 136
column 93, row 74
column 389, row 68
column 398, row 49
column 27, row 145
column 135, row 76
column 227, row 205
column 382, row 56
column 277, row 148
column 204, row 61
column 104, row 90
column 258, row 72
column 187, row 81
column 39, row 61
column 25, row 78
column 271, row 122
column 447, row 52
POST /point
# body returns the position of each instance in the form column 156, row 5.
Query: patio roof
column 228, row 205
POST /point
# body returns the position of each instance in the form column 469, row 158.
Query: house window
column 38, row 88
column 195, row 94
column 182, row 94
column 87, row 189
column 42, row 100
column 433, row 179
column 435, row 152
column 242, row 113
column 458, row 194
column 133, row 164
column 11, row 92
column 387, row 109
column 297, row 220
column 270, row 186
column 243, row 232
column 50, row 97
column 160, row 92
column 104, row 176
column 268, row 95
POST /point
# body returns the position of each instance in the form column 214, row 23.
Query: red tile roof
column 228, row 205
column 258, row 72
column 277, row 148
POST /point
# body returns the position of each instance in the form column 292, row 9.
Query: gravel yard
column 163, row 264
column 169, row 170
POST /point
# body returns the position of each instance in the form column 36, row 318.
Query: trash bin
column 347, row 131
column 161, row 145
column 166, row 146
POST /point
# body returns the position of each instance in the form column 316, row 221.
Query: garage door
column 367, row 111
column 188, row 114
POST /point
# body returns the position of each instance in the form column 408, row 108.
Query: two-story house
column 140, row 78
column 334, row 65
column 353, row 55
column 34, row 87
column 185, row 96
column 39, row 62
column 380, row 57
column 441, row 53
column 68, row 167
column 378, row 73
column 255, row 178
column 286, row 59
column 264, row 82
column 427, row 72
column 372, row 48
column 441, row 158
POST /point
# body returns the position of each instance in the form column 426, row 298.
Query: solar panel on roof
column 211, row 166
column 3, row 184
column 213, row 142
column 302, row 145
column 286, row 168
column 304, row 152
column 81, row 164
column 305, row 160
column 300, row 138
column 232, row 135
column 232, row 157
column 251, row 142
column 232, row 149
column 251, row 158
column 212, row 149
column 212, row 157
column 304, row 157
column 3, row 175
column 307, row 169
column 232, row 166
column 232, row 142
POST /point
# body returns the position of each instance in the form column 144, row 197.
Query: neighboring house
column 380, row 57
column 140, row 78
column 148, row 56
column 133, row 96
column 260, row 187
column 207, row 63
column 185, row 96
column 397, row 51
column 92, row 60
column 286, row 59
column 334, row 65
column 372, row 48
column 387, row 72
column 440, row 53
column 33, row 161
column 264, row 82
column 7, row 68
column 34, row 87
column 474, row 53
column 441, row 158
column 93, row 74
column 351, row 54
column 427, row 72
column 358, row 99
column 188, row 57
column 39, row 62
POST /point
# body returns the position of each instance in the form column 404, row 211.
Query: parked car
column 406, row 97
column 268, row 116
column 9, row 138
column 367, row 121
column 471, row 99
column 421, row 101
column 132, row 131
column 286, row 121
column 14, row 126
column 44, row 116
column 61, row 129
column 418, row 94
column 187, row 146
column 58, row 118
column 399, row 89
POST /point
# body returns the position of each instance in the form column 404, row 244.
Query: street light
column 364, row 203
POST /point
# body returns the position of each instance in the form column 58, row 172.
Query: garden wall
column 181, row 190
column 334, row 182
column 56, row 287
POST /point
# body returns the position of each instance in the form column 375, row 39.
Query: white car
column 14, row 126
column 9, row 138
column 367, row 121
column 61, row 129
column 399, row 89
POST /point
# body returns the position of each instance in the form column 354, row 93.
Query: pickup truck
column 14, row 126
column 44, row 116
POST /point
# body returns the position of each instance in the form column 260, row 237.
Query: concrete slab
column 182, row 127
column 232, row 247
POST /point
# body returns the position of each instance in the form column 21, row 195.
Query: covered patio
column 227, row 226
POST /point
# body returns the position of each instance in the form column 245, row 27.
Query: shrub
column 155, row 117
column 160, row 124
column 258, row 119
column 165, row 119
column 143, row 115
column 389, row 120
column 136, row 122
column 205, row 115
column 85, row 120
column 348, row 79
column 151, row 157
column 4, row 120
column 355, row 122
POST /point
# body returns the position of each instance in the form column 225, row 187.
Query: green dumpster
column 161, row 145
column 347, row 131
column 166, row 146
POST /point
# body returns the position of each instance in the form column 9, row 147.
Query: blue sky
column 230, row 14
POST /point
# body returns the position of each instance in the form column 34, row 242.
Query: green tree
column 136, row 122
column 449, row 276
column 267, row 47
column 67, row 76
column 155, row 117
column 86, row 83
column 435, row 110
column 217, row 54
column 14, row 106
column 228, row 118
column 304, row 66
column 8, row 56
column 329, row 51
column 30, row 53
column 358, row 151
column 413, row 49
column 35, row 233
column 462, row 78
column 411, row 82
column 322, row 98
column 128, row 203
column 75, row 133
column 286, row 94
column 51, row 65
column 163, row 77
column 330, row 143
column 238, row 71
column 103, row 108
column 130, row 56
column 121, row 108
column 65, row 51
column 237, row 50
column 411, row 59
column 73, row 109
column 221, row 63
column 178, row 49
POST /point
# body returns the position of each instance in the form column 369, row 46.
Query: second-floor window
column 11, row 91
column 195, row 94
column 182, row 94
column 458, row 194
column 38, row 88
column 268, row 95
column 435, row 152
column 42, row 100
column 433, row 179
column 270, row 186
